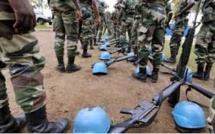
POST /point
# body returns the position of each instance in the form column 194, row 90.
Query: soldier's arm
column 95, row 9
column 24, row 14
column 77, row 4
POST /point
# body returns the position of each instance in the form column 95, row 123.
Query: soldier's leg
column 211, row 118
column 71, row 28
column 211, row 58
column 100, row 30
column 175, row 41
column 21, row 53
column 86, row 36
column 201, row 50
column 144, row 41
column 157, row 48
column 59, row 41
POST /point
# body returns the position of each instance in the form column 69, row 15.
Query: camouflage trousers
column 65, row 26
column 100, row 31
column 178, row 31
column 126, row 26
column 134, row 36
column 151, row 34
column 211, row 118
column 20, row 52
column 205, row 44
column 87, row 31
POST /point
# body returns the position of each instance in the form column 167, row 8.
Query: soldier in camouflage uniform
column 109, row 24
column 65, row 25
column 88, row 7
column 151, row 33
column 181, row 22
column 205, row 43
column 20, row 52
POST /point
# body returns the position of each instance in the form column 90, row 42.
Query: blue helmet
column 189, row 115
column 103, row 48
column 103, row 40
column 188, row 75
column 99, row 68
column 130, row 55
column 107, row 44
column 105, row 56
column 148, row 70
column 92, row 120
column 163, row 58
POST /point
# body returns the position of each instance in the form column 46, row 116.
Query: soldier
column 126, row 14
column 151, row 33
column 87, row 28
column 205, row 43
column 181, row 22
column 66, row 24
column 20, row 52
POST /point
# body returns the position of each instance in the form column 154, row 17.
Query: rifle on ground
column 181, row 67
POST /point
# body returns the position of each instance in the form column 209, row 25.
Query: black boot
column 155, row 75
column 10, row 124
column 60, row 67
column 91, row 44
column 141, row 75
column 85, row 54
column 71, row 67
column 37, row 122
column 95, row 44
column 200, row 72
column 172, row 59
column 207, row 71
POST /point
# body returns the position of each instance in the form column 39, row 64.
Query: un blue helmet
column 105, row 56
column 148, row 70
column 188, row 75
column 163, row 57
column 130, row 55
column 103, row 40
column 103, row 48
column 189, row 115
column 99, row 68
column 107, row 44
column 92, row 120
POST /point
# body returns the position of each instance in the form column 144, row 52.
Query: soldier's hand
column 98, row 21
column 25, row 17
column 79, row 15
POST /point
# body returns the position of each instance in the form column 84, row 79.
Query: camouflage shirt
column 6, row 12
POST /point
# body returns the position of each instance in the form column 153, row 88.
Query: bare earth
column 68, row 93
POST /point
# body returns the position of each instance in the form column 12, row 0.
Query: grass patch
column 45, row 26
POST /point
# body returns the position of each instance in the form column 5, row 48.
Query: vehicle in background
column 42, row 19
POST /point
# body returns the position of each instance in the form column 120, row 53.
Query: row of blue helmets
column 187, row 115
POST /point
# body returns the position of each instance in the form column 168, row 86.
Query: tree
column 39, row 4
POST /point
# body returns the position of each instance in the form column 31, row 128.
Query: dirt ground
column 68, row 93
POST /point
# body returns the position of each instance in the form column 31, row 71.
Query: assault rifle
column 181, row 67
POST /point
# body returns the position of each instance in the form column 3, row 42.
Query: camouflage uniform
column 151, row 34
column 21, row 53
column 205, row 43
column 211, row 118
column 65, row 25
column 109, row 24
column 181, row 23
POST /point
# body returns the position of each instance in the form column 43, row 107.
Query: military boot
column 10, row 124
column 37, row 122
column 141, row 75
column 155, row 75
column 200, row 72
column 172, row 59
column 94, row 42
column 71, row 67
column 85, row 54
column 91, row 44
column 207, row 71
column 60, row 67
